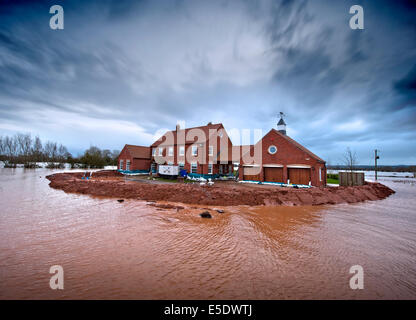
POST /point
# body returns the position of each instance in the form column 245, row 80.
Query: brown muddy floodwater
column 130, row 250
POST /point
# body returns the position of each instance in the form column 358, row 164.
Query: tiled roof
column 299, row 145
column 206, row 129
column 247, row 148
column 138, row 151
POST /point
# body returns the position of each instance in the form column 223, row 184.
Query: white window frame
column 160, row 151
column 127, row 165
column 121, row 164
column 181, row 150
column 153, row 151
column 210, row 168
column 170, row 151
column 194, row 165
column 210, row 150
column 194, row 151
column 320, row 174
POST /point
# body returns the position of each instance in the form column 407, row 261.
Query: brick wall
column 288, row 154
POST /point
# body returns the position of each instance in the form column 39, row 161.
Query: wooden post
column 375, row 162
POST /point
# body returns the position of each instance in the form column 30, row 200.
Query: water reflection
column 135, row 251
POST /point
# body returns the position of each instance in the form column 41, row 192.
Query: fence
column 351, row 178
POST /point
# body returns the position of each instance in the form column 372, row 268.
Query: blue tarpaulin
column 133, row 171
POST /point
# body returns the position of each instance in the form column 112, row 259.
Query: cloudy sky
column 122, row 71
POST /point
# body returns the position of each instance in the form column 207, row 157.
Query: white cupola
column 281, row 125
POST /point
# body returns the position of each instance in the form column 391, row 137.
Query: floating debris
column 205, row 214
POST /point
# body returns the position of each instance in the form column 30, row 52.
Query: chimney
column 209, row 123
column 178, row 127
column 281, row 125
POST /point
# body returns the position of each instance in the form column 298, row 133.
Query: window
column 153, row 167
column 182, row 150
column 170, row 163
column 121, row 164
column 210, row 150
column 128, row 165
column 220, row 133
column 161, row 151
column 220, row 168
column 170, row 151
column 272, row 149
column 181, row 166
column 194, row 167
column 209, row 168
column 320, row 174
column 194, row 150
column 153, row 151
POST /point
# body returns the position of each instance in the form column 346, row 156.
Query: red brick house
column 201, row 150
column 281, row 159
column 134, row 158
column 208, row 150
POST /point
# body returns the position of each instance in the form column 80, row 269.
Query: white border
column 268, row 149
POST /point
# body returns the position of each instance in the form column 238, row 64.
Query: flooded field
column 130, row 250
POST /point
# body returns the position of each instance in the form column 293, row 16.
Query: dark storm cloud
column 120, row 70
column 407, row 85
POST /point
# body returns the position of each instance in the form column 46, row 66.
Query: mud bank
column 112, row 184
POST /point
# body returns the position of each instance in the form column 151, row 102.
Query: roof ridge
column 298, row 145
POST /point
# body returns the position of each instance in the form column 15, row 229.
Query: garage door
column 299, row 175
column 251, row 173
column 273, row 174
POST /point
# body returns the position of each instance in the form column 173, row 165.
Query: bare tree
column 10, row 148
column 350, row 159
column 1, row 146
column 37, row 150
column 24, row 143
column 51, row 150
column 21, row 148
column 62, row 153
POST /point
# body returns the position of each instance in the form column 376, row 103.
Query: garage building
column 281, row 159
column 134, row 158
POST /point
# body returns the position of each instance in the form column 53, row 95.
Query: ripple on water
column 133, row 250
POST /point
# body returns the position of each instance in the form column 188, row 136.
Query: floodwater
column 129, row 250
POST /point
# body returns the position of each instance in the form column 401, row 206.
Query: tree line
column 23, row 149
